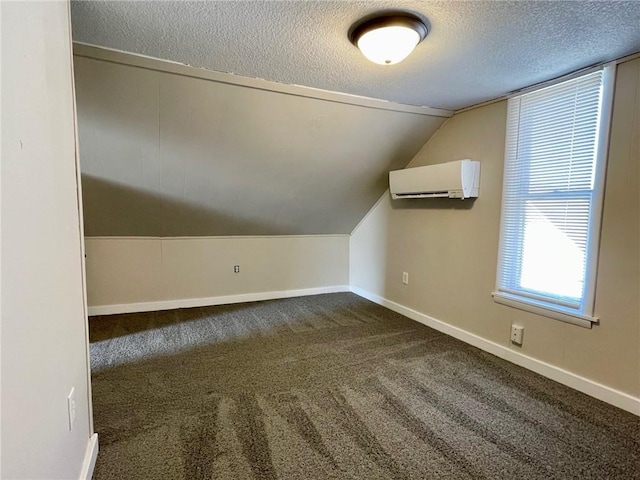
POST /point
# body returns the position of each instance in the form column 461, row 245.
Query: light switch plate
column 71, row 406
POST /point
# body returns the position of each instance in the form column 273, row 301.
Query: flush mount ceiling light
column 390, row 38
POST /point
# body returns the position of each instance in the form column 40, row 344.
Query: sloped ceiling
column 476, row 50
column 164, row 154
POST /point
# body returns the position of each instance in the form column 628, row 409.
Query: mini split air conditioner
column 457, row 179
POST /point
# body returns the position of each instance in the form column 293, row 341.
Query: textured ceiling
column 475, row 51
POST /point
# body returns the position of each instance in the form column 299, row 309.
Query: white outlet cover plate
column 516, row 334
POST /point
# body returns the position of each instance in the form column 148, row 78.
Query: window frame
column 529, row 301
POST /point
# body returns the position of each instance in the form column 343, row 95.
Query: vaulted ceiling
column 173, row 150
column 166, row 154
column 475, row 51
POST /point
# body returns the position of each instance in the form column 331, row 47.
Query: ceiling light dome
column 388, row 39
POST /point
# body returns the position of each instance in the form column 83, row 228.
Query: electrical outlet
column 236, row 269
column 516, row 334
column 405, row 278
column 71, row 407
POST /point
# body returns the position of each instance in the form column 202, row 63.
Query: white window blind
column 552, row 195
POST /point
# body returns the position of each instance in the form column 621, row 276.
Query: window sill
column 540, row 309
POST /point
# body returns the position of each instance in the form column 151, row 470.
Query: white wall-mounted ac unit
column 457, row 179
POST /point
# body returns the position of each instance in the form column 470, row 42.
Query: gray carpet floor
column 333, row 387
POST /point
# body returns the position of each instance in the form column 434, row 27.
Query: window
column 552, row 197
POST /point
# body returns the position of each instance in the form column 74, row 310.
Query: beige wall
column 169, row 155
column 450, row 249
column 44, row 345
column 139, row 270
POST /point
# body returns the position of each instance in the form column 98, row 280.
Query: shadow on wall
column 113, row 209
column 432, row 204
column 166, row 149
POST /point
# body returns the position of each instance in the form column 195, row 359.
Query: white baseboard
column 90, row 457
column 208, row 301
column 584, row 385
